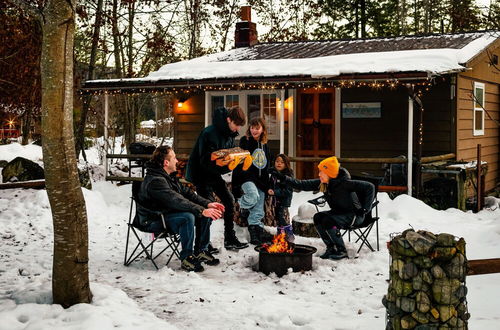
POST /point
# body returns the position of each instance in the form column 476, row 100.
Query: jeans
column 182, row 223
column 253, row 200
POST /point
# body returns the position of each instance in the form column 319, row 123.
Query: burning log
column 280, row 245
column 281, row 255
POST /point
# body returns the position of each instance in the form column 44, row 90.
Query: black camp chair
column 171, row 239
column 362, row 230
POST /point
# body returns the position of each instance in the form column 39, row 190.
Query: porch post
column 106, row 108
column 338, row 95
column 208, row 106
column 282, row 121
column 410, row 145
column 292, row 134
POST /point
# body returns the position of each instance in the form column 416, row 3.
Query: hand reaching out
column 270, row 192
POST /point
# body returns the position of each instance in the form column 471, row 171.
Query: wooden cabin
column 364, row 98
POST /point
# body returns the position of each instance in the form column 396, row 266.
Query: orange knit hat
column 330, row 166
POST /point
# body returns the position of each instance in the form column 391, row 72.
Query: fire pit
column 298, row 257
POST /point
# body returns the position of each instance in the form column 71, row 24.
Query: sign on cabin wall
column 362, row 110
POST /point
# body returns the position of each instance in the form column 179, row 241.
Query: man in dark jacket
column 205, row 174
column 349, row 201
column 180, row 206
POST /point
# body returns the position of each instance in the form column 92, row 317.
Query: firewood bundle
column 232, row 157
column 427, row 282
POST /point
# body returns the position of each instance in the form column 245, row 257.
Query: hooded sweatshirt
column 258, row 172
column 200, row 168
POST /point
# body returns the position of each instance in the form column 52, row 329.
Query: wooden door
column 315, row 128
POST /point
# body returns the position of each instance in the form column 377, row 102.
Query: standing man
column 205, row 174
column 181, row 207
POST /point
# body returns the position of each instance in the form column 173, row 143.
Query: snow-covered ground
column 334, row 295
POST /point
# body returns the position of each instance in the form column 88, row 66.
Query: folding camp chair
column 362, row 230
column 172, row 240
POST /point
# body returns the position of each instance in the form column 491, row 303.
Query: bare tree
column 70, row 279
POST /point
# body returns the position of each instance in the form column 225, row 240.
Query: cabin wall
column 481, row 71
column 189, row 120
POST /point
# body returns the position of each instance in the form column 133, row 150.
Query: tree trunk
column 80, row 139
column 26, row 128
column 70, row 279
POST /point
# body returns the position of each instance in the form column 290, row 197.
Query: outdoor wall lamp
column 181, row 98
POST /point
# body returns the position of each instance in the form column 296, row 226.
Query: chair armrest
column 319, row 201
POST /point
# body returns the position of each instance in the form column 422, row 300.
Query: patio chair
column 171, row 239
column 363, row 230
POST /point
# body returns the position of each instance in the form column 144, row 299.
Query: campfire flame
column 280, row 245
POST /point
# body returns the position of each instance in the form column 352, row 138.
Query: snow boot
column 254, row 235
column 192, row 264
column 231, row 242
column 265, row 237
column 328, row 252
column 338, row 242
column 207, row 258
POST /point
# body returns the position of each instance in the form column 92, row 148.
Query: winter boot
column 231, row 242
column 254, row 235
column 207, row 258
column 212, row 249
column 324, row 236
column 337, row 240
column 328, row 252
column 192, row 264
column 290, row 237
column 265, row 237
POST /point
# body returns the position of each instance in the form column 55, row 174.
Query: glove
column 360, row 212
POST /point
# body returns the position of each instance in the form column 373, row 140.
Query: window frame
column 475, row 109
column 243, row 103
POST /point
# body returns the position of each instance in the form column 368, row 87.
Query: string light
column 420, row 87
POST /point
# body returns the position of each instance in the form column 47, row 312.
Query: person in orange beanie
column 349, row 201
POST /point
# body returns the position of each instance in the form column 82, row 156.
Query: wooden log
column 141, row 156
column 401, row 189
column 123, row 178
column 431, row 159
column 304, row 227
column 34, row 184
column 484, row 266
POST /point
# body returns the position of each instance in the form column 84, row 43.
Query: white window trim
column 242, row 95
column 478, row 132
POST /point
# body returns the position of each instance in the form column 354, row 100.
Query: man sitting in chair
column 162, row 191
column 349, row 201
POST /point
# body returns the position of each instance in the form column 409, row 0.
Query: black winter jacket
column 163, row 192
column 282, row 191
column 258, row 176
column 342, row 192
column 200, row 168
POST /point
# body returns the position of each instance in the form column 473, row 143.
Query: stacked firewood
column 427, row 282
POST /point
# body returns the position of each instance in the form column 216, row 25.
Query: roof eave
column 170, row 84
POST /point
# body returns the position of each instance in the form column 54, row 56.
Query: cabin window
column 254, row 104
column 478, row 111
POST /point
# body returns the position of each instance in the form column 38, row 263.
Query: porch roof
column 408, row 56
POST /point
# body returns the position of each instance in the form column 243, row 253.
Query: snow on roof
column 240, row 62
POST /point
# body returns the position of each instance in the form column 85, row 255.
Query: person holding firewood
column 251, row 185
column 349, row 201
column 205, row 172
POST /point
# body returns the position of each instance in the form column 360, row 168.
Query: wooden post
column 106, row 109
column 479, row 205
column 410, row 145
column 282, row 121
column 418, row 169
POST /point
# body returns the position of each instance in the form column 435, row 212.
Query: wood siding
column 188, row 123
column 466, row 142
